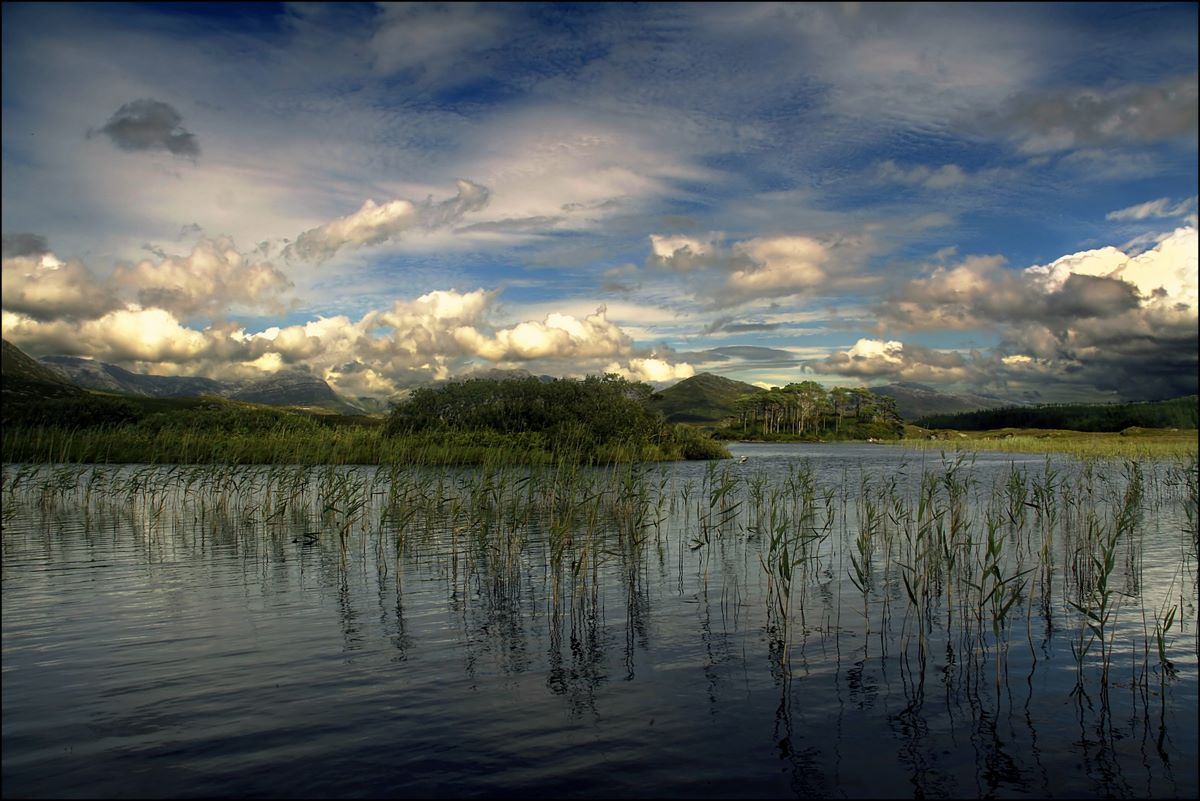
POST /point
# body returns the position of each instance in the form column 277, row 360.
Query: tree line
column 1095, row 417
column 806, row 410
column 594, row 413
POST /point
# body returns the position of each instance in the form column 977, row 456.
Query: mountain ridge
column 285, row 388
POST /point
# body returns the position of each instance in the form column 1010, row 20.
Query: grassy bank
column 292, row 443
column 1132, row 443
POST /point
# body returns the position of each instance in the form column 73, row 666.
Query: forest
column 1094, row 417
column 807, row 411
column 595, row 414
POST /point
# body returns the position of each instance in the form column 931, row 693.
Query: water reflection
column 836, row 624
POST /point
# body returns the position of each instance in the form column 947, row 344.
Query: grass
column 1132, row 443
column 313, row 444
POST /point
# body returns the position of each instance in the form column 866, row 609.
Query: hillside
column 914, row 401
column 105, row 377
column 703, row 398
column 286, row 388
column 25, row 376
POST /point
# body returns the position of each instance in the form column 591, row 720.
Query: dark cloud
column 1084, row 296
column 1130, row 114
column 731, row 357
column 519, row 225
column 150, row 125
column 727, row 325
column 752, row 353
column 17, row 245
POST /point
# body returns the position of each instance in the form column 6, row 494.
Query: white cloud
column 433, row 39
column 683, row 253
column 1156, row 209
column 559, row 336
column 1164, row 274
column 945, row 177
column 1095, row 318
column 45, row 288
column 374, row 224
column 438, row 335
column 126, row 335
column 778, row 265
column 652, row 370
column 213, row 278
column 1167, row 273
column 1051, row 277
column 876, row 358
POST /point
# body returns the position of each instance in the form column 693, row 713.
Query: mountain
column 915, row 401
column 24, row 375
column 294, row 388
column 285, row 388
column 105, row 377
column 703, row 398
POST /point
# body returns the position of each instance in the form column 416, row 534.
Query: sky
column 996, row 198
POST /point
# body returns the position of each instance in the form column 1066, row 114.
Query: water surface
column 341, row 632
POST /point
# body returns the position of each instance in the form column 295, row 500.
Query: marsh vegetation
column 960, row 624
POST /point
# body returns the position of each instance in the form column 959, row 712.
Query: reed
column 943, row 558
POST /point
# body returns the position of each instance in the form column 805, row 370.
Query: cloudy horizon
column 989, row 198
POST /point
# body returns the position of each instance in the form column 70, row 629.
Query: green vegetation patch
column 598, row 420
column 1181, row 413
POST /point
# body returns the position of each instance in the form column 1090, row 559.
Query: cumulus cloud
column 783, row 265
column 559, row 336
column 212, row 278
column 375, row 223
column 437, row 336
column 42, row 287
column 652, row 370
column 150, row 125
column 130, row 334
column 876, row 358
column 762, row 267
column 681, row 253
column 1128, row 114
column 1098, row 317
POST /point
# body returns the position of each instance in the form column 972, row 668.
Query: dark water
column 199, row 633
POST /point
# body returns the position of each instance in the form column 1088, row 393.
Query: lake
column 829, row 620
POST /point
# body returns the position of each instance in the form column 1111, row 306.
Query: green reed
column 961, row 560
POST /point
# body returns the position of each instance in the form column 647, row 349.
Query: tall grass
column 315, row 445
column 943, row 558
column 1127, row 445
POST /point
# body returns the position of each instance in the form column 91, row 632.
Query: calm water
column 194, row 632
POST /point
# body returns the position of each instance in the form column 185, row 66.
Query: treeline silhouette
column 1094, row 417
column 807, row 411
column 597, row 412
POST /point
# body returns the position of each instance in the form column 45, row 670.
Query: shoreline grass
column 317, row 445
column 1133, row 443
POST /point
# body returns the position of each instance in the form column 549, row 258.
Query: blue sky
column 997, row 198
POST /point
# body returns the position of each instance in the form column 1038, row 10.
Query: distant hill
column 24, row 375
column 294, row 388
column 914, row 401
column 703, row 398
column 285, row 388
column 105, row 377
